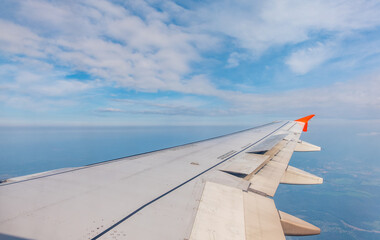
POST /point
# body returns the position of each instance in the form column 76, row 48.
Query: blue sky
column 188, row 62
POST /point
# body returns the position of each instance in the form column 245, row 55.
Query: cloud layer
column 82, row 54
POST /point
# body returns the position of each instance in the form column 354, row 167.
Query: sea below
column 345, row 206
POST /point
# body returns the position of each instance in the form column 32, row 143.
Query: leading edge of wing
column 54, row 172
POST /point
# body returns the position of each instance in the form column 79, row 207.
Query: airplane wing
column 220, row 188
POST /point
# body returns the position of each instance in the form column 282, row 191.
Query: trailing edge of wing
column 229, row 213
column 303, row 146
column 294, row 175
column 294, row 226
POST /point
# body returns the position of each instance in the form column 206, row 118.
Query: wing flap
column 245, row 164
column 267, row 179
column 229, row 213
column 261, row 218
column 220, row 214
column 303, row 146
column 294, row 226
column 297, row 176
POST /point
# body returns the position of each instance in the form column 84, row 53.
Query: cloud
column 234, row 59
column 31, row 85
column 16, row 39
column 62, row 88
column 357, row 98
column 258, row 25
column 22, row 80
column 110, row 110
column 145, row 47
column 32, row 104
column 185, row 106
column 108, row 41
column 357, row 228
column 136, row 46
column 131, row 47
column 368, row 134
column 303, row 60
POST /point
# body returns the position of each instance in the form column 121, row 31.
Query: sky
column 221, row 62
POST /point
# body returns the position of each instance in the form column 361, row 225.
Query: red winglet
column 305, row 120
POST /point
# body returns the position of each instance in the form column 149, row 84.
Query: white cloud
column 303, row 60
column 19, row 80
column 62, row 88
column 368, row 134
column 234, row 59
column 37, row 105
column 357, row 98
column 16, row 39
column 31, row 86
column 139, row 47
column 258, row 25
column 110, row 110
column 161, row 106
column 108, row 41
column 132, row 45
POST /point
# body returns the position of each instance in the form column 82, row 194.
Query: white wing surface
column 220, row 188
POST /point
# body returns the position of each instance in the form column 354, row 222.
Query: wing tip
column 305, row 120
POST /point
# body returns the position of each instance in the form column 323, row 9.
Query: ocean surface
column 346, row 206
